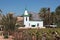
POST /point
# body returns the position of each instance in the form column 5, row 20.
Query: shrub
column 6, row 36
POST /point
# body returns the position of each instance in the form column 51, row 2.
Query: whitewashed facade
column 31, row 24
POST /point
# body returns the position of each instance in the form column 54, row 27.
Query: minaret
column 26, row 18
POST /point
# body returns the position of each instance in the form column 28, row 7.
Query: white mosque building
column 31, row 24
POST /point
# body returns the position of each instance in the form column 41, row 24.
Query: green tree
column 43, row 15
column 9, row 21
column 53, row 18
column 43, row 12
column 57, row 10
column 0, row 16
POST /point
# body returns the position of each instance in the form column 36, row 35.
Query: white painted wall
column 35, row 23
column 25, row 20
column 29, row 24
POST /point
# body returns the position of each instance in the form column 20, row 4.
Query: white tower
column 26, row 18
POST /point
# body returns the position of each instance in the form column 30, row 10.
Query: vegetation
column 6, row 36
column 50, row 18
column 8, row 21
column 48, row 33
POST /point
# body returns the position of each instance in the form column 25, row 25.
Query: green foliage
column 39, row 33
column 50, row 18
column 6, row 36
column 43, row 10
column 58, row 24
column 58, row 10
column 8, row 21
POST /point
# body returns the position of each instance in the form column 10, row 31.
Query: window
column 38, row 24
column 33, row 25
column 29, row 24
column 26, row 18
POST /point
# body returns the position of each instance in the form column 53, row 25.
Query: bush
column 6, row 36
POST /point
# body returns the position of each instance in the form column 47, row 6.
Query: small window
column 26, row 18
column 29, row 24
column 38, row 24
column 33, row 25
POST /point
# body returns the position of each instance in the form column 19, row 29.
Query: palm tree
column 0, row 18
column 42, row 14
column 53, row 18
column 8, row 21
column 57, row 10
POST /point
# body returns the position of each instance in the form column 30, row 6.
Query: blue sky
column 18, row 6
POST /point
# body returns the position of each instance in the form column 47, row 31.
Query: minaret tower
column 26, row 18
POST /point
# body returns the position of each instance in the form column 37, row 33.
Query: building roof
column 35, row 16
